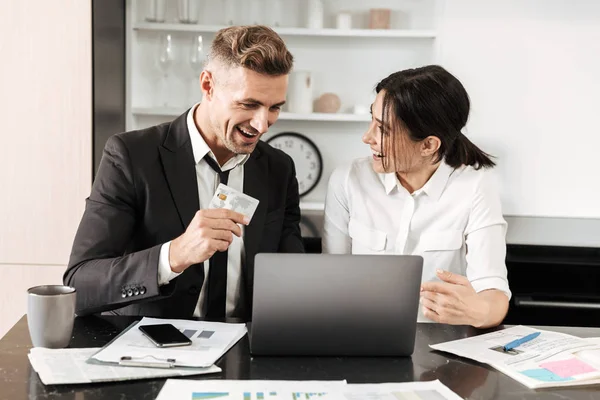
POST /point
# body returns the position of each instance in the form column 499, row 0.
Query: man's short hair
column 256, row 47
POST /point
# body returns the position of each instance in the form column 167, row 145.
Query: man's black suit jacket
column 146, row 193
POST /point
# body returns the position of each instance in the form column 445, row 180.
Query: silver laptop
column 338, row 305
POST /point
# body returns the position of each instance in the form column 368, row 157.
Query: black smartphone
column 165, row 335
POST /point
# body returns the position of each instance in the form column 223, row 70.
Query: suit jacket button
column 123, row 293
column 193, row 290
column 136, row 291
column 143, row 290
column 129, row 292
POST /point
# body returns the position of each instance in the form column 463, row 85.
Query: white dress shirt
column 208, row 180
column 454, row 221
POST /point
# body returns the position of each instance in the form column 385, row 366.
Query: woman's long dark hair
column 430, row 101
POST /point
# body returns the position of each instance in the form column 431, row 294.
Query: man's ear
column 430, row 145
column 207, row 84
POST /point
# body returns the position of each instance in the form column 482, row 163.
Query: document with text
column 296, row 390
column 246, row 390
column 432, row 390
column 210, row 341
column 551, row 359
column 69, row 366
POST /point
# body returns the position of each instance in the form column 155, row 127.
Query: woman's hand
column 454, row 301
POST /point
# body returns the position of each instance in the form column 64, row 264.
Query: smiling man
column 147, row 244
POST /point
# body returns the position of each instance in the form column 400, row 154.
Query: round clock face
column 306, row 156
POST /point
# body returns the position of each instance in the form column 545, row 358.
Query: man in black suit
column 147, row 244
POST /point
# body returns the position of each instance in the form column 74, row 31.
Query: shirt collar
column 437, row 183
column 389, row 181
column 433, row 187
column 200, row 148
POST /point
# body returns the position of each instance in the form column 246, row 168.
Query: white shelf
column 158, row 112
column 325, row 117
column 173, row 112
column 312, row 206
column 327, row 32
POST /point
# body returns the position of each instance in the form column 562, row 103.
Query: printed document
column 210, row 340
column 552, row 359
column 66, row 366
column 295, row 390
column 433, row 390
column 246, row 390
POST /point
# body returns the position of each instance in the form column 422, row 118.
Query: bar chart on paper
column 307, row 390
column 249, row 390
column 411, row 395
column 256, row 395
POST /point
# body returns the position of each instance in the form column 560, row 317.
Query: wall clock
column 306, row 156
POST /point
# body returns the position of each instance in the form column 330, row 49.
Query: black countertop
column 467, row 378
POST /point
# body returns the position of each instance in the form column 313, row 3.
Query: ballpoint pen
column 520, row 341
column 128, row 361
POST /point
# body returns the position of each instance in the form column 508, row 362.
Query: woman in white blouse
column 425, row 191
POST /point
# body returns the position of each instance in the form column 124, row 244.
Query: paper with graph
column 552, row 359
column 246, row 390
column 302, row 390
column 210, row 340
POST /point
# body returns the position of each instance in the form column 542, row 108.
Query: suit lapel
column 256, row 175
column 179, row 166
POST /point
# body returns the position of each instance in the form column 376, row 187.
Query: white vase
column 189, row 11
column 157, row 10
column 314, row 14
column 300, row 92
column 344, row 21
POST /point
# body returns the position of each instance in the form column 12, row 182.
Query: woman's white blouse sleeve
column 485, row 237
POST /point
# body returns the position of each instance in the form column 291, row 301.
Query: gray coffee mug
column 50, row 315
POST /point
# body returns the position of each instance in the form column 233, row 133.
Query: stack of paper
column 210, row 340
column 66, row 366
column 550, row 360
column 295, row 390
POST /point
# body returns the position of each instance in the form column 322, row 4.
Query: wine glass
column 156, row 11
column 165, row 61
column 196, row 62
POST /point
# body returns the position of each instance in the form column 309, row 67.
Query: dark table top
column 467, row 378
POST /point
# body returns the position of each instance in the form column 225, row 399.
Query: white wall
column 46, row 114
column 532, row 70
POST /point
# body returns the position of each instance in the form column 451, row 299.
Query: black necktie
column 217, row 273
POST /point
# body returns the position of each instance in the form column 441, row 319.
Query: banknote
column 231, row 199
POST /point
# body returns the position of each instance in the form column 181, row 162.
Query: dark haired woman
column 427, row 190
